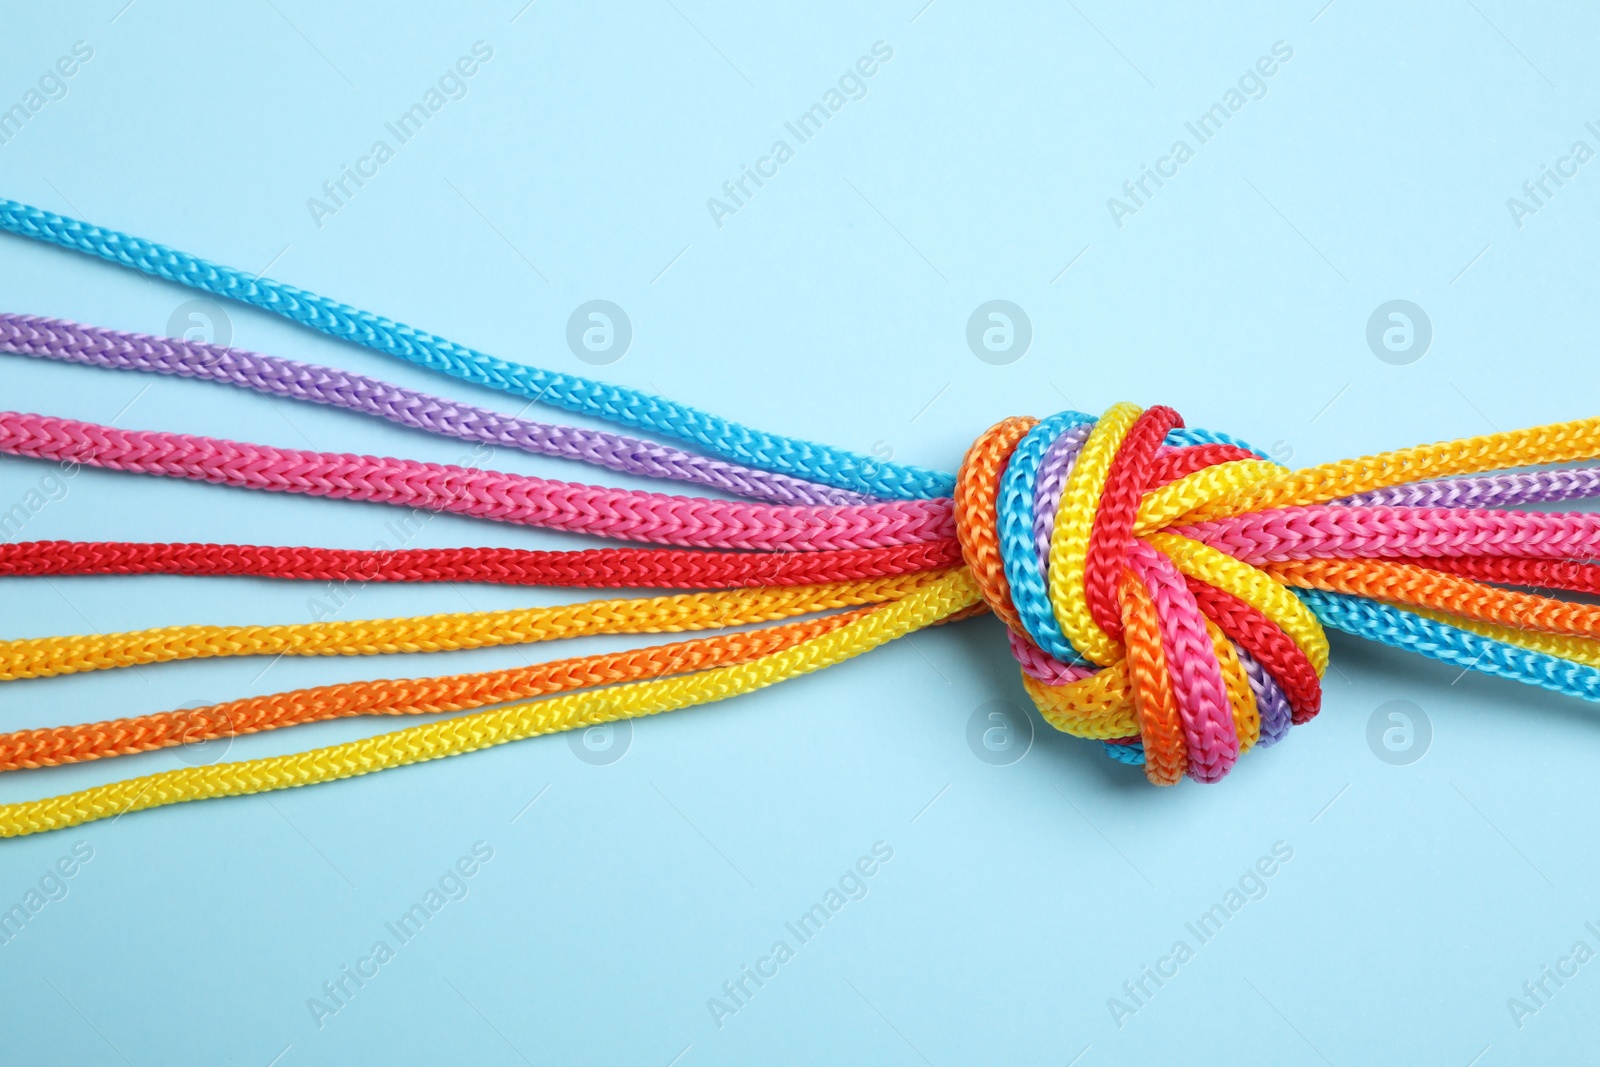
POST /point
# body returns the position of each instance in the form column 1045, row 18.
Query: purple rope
column 1270, row 701
column 1487, row 491
column 31, row 335
column 1048, row 485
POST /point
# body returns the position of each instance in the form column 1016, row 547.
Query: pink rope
column 1342, row 531
column 657, row 518
column 1196, row 676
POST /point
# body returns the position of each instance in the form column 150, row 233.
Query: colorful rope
column 616, row 404
column 120, row 737
column 468, row 733
column 1164, row 589
column 523, row 499
column 601, row 568
column 44, row 657
column 68, row 342
column 1145, row 577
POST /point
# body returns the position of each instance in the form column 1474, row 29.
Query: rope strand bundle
column 553, row 505
column 600, row 568
column 625, row 407
column 1144, row 579
column 1164, row 589
column 937, row 600
column 70, row 342
column 146, row 733
column 45, row 657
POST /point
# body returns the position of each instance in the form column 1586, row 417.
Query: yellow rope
column 1069, row 541
column 1560, row 442
column 43, row 657
column 1575, row 649
column 936, row 599
column 1206, row 564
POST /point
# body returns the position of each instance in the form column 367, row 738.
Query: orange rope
column 1419, row 586
column 407, row 696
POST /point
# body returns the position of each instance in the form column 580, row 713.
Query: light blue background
column 832, row 306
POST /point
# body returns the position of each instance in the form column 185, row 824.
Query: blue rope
column 1024, row 572
column 1132, row 753
column 626, row 407
column 1407, row 630
column 1029, row 594
column 772, row 452
column 1450, row 644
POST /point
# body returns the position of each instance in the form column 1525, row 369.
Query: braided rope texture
column 600, row 568
column 1194, row 650
column 566, row 506
column 625, row 407
column 933, row 601
column 412, row 696
column 1164, row 589
column 1144, row 572
column 70, row 342
column 43, row 657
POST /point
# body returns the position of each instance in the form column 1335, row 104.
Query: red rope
column 631, row 568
